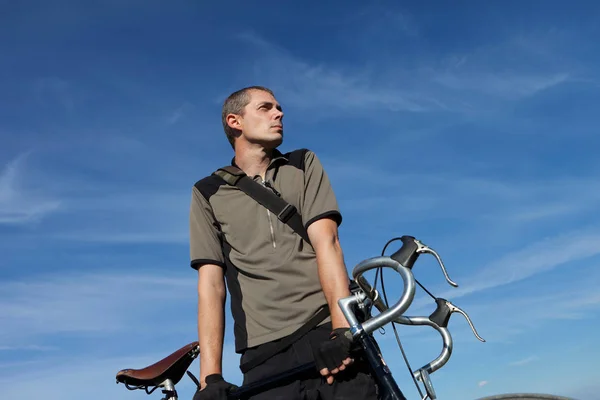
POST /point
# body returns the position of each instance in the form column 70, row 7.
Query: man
column 277, row 280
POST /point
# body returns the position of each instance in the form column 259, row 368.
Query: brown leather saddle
column 172, row 368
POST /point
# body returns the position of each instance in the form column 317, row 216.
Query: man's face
column 262, row 122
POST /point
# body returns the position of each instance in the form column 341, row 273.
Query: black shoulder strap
column 286, row 213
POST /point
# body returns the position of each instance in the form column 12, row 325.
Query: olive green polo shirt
column 271, row 272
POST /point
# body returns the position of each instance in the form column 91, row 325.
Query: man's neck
column 253, row 160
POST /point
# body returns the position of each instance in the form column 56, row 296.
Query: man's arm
column 321, row 216
column 323, row 235
column 211, row 319
column 206, row 256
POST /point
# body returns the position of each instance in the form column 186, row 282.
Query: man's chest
column 248, row 226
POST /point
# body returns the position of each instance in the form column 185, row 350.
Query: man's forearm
column 211, row 326
column 334, row 278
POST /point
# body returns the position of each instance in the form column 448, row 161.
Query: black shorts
column 355, row 382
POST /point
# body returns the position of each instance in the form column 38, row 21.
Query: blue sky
column 472, row 126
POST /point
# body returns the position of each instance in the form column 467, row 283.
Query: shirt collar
column 277, row 157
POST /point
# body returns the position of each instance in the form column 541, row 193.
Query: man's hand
column 216, row 389
column 332, row 356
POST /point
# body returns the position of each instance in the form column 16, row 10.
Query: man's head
column 253, row 115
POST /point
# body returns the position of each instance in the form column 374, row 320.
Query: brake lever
column 444, row 310
column 423, row 248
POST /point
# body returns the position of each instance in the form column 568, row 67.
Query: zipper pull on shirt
column 268, row 184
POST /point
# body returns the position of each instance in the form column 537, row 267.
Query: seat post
column 169, row 390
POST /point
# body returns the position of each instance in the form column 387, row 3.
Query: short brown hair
column 234, row 104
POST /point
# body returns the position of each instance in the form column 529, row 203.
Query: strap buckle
column 287, row 213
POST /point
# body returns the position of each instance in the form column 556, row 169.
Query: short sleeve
column 319, row 198
column 205, row 237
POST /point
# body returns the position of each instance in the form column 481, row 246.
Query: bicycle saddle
column 172, row 367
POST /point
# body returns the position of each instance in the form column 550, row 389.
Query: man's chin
column 268, row 143
column 272, row 143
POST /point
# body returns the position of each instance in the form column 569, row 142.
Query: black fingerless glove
column 331, row 353
column 216, row 388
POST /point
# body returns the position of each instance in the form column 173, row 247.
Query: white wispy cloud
column 307, row 85
column 401, row 20
column 456, row 82
column 52, row 90
column 101, row 303
column 376, row 22
column 539, row 257
column 93, row 377
column 13, row 365
column 179, row 113
column 30, row 347
column 520, row 65
column 507, row 86
column 114, row 196
column 110, row 236
column 124, row 320
column 125, row 217
column 82, row 377
column 482, row 383
column 19, row 205
column 497, row 321
column 524, row 361
column 490, row 199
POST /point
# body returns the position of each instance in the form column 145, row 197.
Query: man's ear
column 233, row 121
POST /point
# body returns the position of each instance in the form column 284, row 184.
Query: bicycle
column 166, row 373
